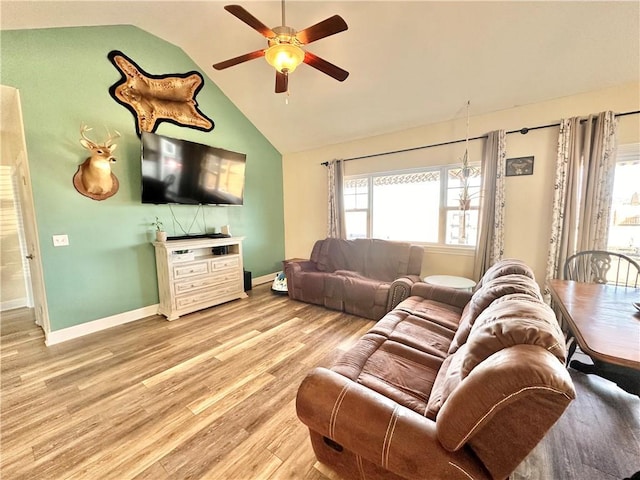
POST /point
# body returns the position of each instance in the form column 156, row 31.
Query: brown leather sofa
column 448, row 385
column 365, row 277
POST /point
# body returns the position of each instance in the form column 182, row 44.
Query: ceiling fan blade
column 253, row 22
column 325, row 28
column 282, row 82
column 235, row 61
column 325, row 67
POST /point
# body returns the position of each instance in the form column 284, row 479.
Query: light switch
column 60, row 240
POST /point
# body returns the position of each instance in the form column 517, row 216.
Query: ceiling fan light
column 284, row 57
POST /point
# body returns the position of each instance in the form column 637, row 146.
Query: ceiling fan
column 284, row 51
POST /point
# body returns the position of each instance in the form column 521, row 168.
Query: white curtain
column 490, row 247
column 335, row 221
column 582, row 189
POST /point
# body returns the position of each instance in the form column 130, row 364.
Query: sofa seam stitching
column 386, row 444
column 336, row 408
column 481, row 419
column 461, row 469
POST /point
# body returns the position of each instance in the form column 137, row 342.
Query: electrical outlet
column 60, row 240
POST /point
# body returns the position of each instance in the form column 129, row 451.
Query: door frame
column 27, row 212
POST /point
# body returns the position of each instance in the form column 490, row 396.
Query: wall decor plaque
column 519, row 166
column 158, row 98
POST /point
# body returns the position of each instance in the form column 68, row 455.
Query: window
column 356, row 207
column 421, row 206
column 462, row 184
column 624, row 229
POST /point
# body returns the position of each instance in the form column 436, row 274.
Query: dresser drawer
column 205, row 282
column 184, row 271
column 224, row 263
column 194, row 284
column 207, row 295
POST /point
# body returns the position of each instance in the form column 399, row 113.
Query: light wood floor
column 211, row 396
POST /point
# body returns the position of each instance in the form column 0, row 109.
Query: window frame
column 626, row 153
column 369, row 200
column 443, row 208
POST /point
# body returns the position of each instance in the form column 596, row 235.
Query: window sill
column 463, row 251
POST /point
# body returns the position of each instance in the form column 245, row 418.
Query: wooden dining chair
column 599, row 266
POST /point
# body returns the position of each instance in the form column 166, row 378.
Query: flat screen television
column 184, row 172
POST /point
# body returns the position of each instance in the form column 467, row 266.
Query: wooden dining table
column 602, row 318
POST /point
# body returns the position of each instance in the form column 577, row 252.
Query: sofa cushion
column 442, row 313
column 515, row 319
column 362, row 294
column 508, row 266
column 391, row 368
column 337, row 254
column 490, row 291
column 415, row 332
column 309, row 287
column 448, row 378
column 385, row 260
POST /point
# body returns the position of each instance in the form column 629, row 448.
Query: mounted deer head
column 94, row 178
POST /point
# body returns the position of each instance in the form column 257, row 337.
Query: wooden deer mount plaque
column 94, row 178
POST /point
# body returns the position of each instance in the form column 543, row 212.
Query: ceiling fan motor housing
column 284, row 34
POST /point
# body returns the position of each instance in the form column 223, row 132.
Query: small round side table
column 460, row 283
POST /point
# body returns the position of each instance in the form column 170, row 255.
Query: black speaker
column 247, row 281
column 224, row 250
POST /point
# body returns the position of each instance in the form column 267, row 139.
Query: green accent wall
column 64, row 76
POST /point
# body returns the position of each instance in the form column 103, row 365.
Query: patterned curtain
column 490, row 247
column 335, row 222
column 582, row 190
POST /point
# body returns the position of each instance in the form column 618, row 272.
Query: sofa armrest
column 378, row 429
column 450, row 296
column 517, row 393
column 400, row 289
column 293, row 270
column 300, row 265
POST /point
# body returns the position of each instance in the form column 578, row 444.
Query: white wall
column 528, row 198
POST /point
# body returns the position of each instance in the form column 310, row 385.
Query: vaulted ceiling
column 410, row 63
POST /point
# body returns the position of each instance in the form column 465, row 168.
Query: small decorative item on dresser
column 161, row 235
column 183, row 256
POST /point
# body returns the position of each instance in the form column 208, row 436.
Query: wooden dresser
column 198, row 273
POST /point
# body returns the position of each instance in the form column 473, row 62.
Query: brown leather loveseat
column 364, row 277
column 448, row 385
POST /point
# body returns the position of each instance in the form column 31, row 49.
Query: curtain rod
column 523, row 131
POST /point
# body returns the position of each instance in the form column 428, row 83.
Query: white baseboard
column 12, row 304
column 59, row 336
column 264, row 279
column 83, row 329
